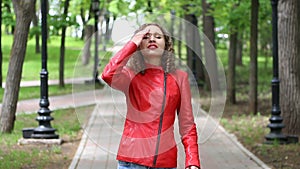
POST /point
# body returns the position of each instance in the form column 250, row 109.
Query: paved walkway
column 56, row 102
column 99, row 143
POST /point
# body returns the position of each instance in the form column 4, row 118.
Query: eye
column 147, row 36
column 158, row 37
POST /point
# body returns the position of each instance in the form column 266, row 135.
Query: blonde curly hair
column 137, row 62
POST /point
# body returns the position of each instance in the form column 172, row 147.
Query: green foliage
column 248, row 127
column 35, row 30
column 118, row 7
column 265, row 26
column 242, row 74
column 8, row 17
column 67, row 125
column 183, row 7
column 230, row 14
column 56, row 22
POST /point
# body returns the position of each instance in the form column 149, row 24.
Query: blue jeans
column 128, row 165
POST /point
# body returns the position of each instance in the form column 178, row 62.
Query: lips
column 152, row 46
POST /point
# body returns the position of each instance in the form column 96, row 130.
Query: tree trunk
column 149, row 7
column 85, row 21
column 23, row 11
column 179, row 43
column 209, row 48
column 86, row 53
column 37, row 35
column 194, row 49
column 82, row 16
column 107, row 31
column 172, row 26
column 231, row 96
column 253, row 58
column 62, row 47
column 1, row 56
column 239, row 49
column 208, row 22
column 289, row 63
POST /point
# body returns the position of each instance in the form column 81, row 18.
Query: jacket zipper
column 160, row 121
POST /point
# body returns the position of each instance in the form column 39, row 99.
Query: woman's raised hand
column 138, row 37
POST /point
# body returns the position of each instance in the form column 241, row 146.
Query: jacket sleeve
column 114, row 73
column 187, row 127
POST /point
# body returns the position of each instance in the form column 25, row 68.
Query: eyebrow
column 156, row 33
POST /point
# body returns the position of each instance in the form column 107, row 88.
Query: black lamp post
column 276, row 124
column 95, row 7
column 44, row 130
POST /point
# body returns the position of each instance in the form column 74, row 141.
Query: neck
column 153, row 61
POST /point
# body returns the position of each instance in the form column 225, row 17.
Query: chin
column 151, row 53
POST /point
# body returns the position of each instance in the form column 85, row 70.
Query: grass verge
column 251, row 129
column 68, row 123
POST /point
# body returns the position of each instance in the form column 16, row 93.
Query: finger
column 142, row 33
column 137, row 38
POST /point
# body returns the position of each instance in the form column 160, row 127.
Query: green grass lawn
column 32, row 63
column 53, row 90
column 68, row 123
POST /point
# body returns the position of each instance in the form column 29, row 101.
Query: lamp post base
column 292, row 139
column 31, row 141
column 44, row 136
column 39, row 133
column 281, row 139
column 272, row 138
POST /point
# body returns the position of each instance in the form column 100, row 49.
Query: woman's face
column 153, row 43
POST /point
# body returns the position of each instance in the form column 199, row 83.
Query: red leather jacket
column 148, row 136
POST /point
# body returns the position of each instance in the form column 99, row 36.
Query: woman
column 144, row 70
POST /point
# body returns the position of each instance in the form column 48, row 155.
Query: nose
column 151, row 38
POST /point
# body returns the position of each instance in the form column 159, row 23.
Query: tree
column 86, row 53
column 84, row 8
column 253, row 58
column 289, row 63
column 24, row 13
column 193, row 40
column 194, row 54
column 231, row 18
column 36, row 31
column 231, row 80
column 62, row 45
column 1, row 56
column 208, row 22
column 210, row 57
column 239, row 49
